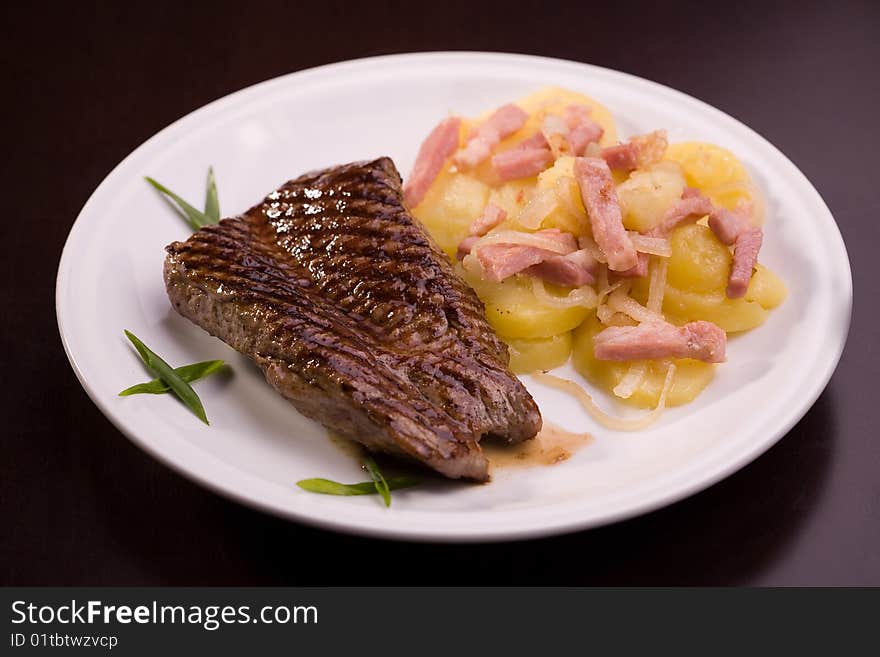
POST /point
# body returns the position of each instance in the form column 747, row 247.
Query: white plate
column 110, row 278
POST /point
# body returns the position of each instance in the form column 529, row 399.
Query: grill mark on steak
column 356, row 317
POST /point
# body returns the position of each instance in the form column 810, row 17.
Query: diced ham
column 651, row 147
column 639, row 271
column 728, row 224
column 491, row 216
column 465, row 246
column 537, row 140
column 582, row 130
column 522, row 162
column 745, row 256
column 692, row 206
column 438, row 146
column 600, row 200
column 584, row 134
column 501, row 260
column 571, row 270
column 561, row 242
column 575, row 113
column 621, row 157
column 653, row 340
column 640, row 151
column 503, row 122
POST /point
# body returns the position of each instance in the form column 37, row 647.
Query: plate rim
column 485, row 534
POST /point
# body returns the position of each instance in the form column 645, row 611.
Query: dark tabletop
column 85, row 84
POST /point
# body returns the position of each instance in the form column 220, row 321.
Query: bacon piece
column 522, row 162
column 727, row 225
column 638, row 152
column 621, row 157
column 571, row 270
column 503, row 122
column 575, row 113
column 600, row 200
column 438, row 145
column 582, row 130
column 502, row 260
column 691, row 207
column 491, row 216
column 639, row 271
column 745, row 256
column 651, row 147
column 652, row 340
column 465, row 246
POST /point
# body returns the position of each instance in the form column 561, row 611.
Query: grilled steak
column 357, row 318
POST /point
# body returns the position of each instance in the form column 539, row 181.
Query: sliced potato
column 706, row 165
column 766, row 288
column 452, row 202
column 699, row 262
column 716, row 171
column 649, row 193
column 513, row 310
column 732, row 315
column 571, row 216
column 531, row 354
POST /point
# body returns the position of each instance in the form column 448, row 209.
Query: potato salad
column 635, row 258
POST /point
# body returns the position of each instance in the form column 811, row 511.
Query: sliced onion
column 555, row 132
column 631, row 380
column 589, row 245
column 603, row 418
column 658, row 246
column 584, row 296
column 604, row 313
column 524, row 239
column 620, row 301
column 566, row 190
column 657, row 286
column 537, row 209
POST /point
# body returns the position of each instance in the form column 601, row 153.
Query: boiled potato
column 452, row 202
column 513, row 310
column 766, row 291
column 715, row 171
column 513, row 196
column 699, row 262
column 570, row 219
column 706, row 165
column 696, row 284
column 531, row 354
column 732, row 315
column 648, row 194
column 690, row 378
column 766, row 288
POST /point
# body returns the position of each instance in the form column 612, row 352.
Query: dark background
column 85, row 84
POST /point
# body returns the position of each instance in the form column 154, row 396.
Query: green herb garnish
column 167, row 374
column 188, row 373
column 328, row 487
column 379, row 481
column 194, row 217
column 212, row 203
